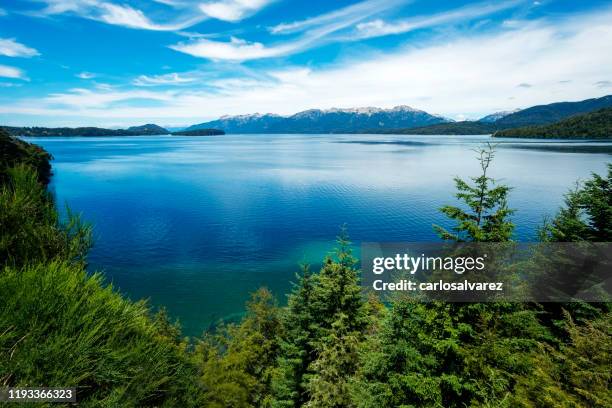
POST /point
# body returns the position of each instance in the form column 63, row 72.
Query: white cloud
column 318, row 30
column 166, row 79
column 315, row 31
column 9, row 85
column 121, row 15
column 355, row 12
column 175, row 14
column 469, row 75
column 82, row 99
column 11, row 48
column 233, row 10
column 234, row 50
column 12, row 72
column 379, row 27
column 85, row 75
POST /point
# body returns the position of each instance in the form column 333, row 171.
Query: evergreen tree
column 586, row 215
column 315, row 307
column 486, row 216
column 329, row 384
column 237, row 363
column 296, row 350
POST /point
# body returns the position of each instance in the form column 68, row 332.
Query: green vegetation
column 86, row 131
column 451, row 128
column 551, row 113
column 144, row 130
column 199, row 132
column 594, row 125
column 331, row 346
column 14, row 151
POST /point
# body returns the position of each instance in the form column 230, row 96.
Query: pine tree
column 296, row 350
column 486, row 219
column 317, row 303
column 329, row 384
column 586, row 214
column 237, row 363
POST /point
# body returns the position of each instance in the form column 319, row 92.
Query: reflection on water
column 197, row 223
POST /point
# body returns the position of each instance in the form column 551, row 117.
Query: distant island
column 144, row 130
column 199, row 132
column 594, row 125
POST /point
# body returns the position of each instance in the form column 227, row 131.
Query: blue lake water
column 196, row 223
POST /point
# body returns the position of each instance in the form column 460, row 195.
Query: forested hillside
column 330, row 346
column 594, row 125
column 554, row 112
column 85, row 131
column 450, row 128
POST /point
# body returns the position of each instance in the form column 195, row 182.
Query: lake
column 197, row 223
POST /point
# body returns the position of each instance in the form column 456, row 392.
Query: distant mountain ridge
column 494, row 117
column 335, row 120
column 592, row 125
column 554, row 112
column 534, row 116
column 400, row 119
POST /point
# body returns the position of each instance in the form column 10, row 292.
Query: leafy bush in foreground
column 61, row 327
column 14, row 152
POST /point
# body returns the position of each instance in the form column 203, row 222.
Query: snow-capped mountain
column 496, row 116
column 334, row 120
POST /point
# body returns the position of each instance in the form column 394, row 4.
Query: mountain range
column 400, row 119
column 325, row 121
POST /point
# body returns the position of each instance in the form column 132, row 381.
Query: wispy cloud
column 314, row 32
column 603, row 84
column 9, row 85
column 233, row 10
column 121, row 15
column 234, row 50
column 85, row 75
column 12, row 72
column 81, row 98
column 377, row 28
column 317, row 30
column 9, row 47
column 166, row 79
column 543, row 54
column 3, row 12
column 172, row 15
column 358, row 11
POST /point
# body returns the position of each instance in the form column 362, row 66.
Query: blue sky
column 178, row 62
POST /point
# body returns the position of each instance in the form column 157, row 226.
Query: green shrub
column 62, row 328
column 31, row 228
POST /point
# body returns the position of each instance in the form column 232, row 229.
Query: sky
column 114, row 63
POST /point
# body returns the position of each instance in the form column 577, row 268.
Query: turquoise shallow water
column 196, row 223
